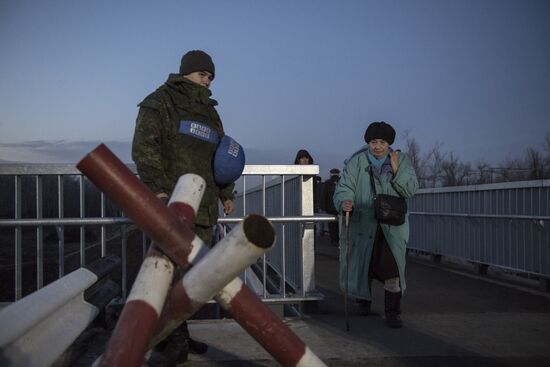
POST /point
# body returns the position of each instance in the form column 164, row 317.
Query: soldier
column 177, row 131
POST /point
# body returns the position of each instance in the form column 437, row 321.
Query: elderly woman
column 376, row 250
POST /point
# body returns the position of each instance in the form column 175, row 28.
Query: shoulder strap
column 372, row 181
column 371, row 176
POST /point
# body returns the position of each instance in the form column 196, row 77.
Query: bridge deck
column 451, row 316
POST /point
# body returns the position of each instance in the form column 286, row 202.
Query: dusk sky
column 472, row 76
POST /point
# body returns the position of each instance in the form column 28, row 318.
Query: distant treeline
column 436, row 168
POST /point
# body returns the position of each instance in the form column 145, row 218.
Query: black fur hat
column 380, row 130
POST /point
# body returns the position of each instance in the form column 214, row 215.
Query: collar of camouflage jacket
column 178, row 85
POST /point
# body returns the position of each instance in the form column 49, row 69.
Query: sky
column 469, row 76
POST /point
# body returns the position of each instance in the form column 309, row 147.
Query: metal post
column 60, row 228
column 18, row 237
column 39, row 236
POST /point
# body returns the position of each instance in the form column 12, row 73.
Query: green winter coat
column 354, row 185
column 162, row 153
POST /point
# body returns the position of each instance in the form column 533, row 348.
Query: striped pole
column 128, row 344
column 164, row 227
column 177, row 241
column 242, row 247
column 264, row 326
column 249, row 311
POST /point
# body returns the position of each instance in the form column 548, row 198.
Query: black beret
column 196, row 60
column 380, row 130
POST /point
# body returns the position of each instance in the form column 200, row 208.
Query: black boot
column 392, row 306
column 197, row 347
column 170, row 352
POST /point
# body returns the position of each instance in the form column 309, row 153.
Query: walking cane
column 347, row 272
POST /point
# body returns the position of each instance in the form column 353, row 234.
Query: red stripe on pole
column 134, row 320
column 264, row 326
column 184, row 211
column 178, row 304
column 119, row 351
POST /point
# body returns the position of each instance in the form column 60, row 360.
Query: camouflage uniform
column 162, row 153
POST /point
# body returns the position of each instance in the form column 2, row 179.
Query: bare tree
column 434, row 162
column 484, row 173
column 546, row 161
column 534, row 164
column 455, row 173
column 413, row 151
column 511, row 170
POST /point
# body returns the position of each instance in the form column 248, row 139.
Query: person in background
column 376, row 251
column 329, row 186
column 303, row 157
column 177, row 132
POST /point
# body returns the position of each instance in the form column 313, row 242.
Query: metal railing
column 25, row 219
column 287, row 200
column 504, row 225
column 53, row 220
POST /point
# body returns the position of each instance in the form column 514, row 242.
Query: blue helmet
column 228, row 161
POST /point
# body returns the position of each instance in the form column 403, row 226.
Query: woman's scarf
column 380, row 166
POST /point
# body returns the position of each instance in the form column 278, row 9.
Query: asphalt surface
column 451, row 316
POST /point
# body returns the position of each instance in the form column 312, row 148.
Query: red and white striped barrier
column 242, row 247
column 245, row 244
column 264, row 326
column 163, row 226
column 249, row 311
column 177, row 241
column 139, row 318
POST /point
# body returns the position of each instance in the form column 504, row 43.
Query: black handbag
column 388, row 209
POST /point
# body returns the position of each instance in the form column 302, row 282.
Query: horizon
column 70, row 152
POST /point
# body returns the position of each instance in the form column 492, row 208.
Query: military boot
column 170, row 352
column 392, row 306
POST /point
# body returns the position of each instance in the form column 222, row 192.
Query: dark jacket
column 166, row 144
column 329, row 186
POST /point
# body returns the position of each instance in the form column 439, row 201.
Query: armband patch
column 199, row 130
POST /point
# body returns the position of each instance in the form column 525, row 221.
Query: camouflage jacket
column 177, row 132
